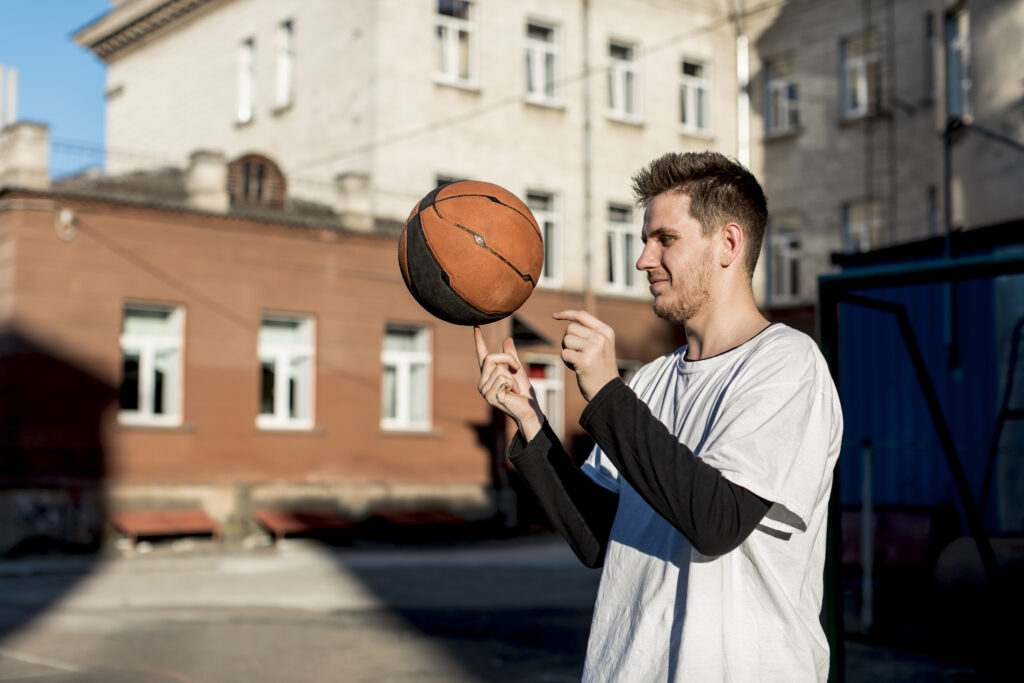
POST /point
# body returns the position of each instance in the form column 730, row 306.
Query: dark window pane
column 130, row 382
column 266, row 388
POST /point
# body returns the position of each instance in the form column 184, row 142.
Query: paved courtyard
column 505, row 611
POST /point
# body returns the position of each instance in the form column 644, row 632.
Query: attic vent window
column 255, row 180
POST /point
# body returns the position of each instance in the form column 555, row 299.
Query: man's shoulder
column 787, row 352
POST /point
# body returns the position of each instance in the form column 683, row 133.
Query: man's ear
column 732, row 241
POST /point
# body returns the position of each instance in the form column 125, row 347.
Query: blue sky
column 59, row 83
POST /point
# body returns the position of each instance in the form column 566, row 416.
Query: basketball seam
column 525, row 276
column 494, row 199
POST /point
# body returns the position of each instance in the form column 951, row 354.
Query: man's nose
column 648, row 257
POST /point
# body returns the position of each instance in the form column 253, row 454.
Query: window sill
column 410, row 431
column 697, row 134
column 296, row 431
column 550, row 105
column 856, row 119
column 787, row 134
column 465, row 86
column 184, row 427
column 634, row 121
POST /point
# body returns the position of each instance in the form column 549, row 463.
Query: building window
column 455, row 42
column 246, row 80
column 860, row 76
column 694, row 98
column 255, row 180
column 542, row 64
column 622, row 250
column 286, row 352
column 405, row 390
column 544, row 208
column 623, row 82
column 781, row 111
column 151, row 375
column 862, row 225
column 284, row 89
column 546, row 379
column 958, row 62
column 783, row 276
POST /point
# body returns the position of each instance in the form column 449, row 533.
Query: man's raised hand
column 505, row 385
column 588, row 349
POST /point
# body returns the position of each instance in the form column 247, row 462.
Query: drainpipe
column 743, row 87
column 588, row 190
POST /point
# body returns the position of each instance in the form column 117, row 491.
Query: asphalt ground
column 504, row 611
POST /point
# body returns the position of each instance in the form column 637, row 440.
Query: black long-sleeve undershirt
column 712, row 512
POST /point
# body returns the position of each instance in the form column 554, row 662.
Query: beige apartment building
column 850, row 104
column 558, row 101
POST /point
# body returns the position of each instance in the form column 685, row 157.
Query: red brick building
column 160, row 355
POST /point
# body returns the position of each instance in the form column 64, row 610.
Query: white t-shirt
column 765, row 414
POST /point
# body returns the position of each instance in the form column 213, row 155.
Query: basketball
column 470, row 252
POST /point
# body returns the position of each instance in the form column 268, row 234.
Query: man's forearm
column 712, row 512
column 581, row 510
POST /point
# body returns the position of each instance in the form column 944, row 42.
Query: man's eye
column 665, row 241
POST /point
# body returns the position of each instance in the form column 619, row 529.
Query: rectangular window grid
column 151, row 373
column 861, row 75
column 543, row 206
column 862, row 225
column 455, row 40
column 782, row 113
column 622, row 250
column 405, row 384
column 246, row 80
column 286, row 352
column 694, row 98
column 284, row 88
column 542, row 64
column 623, row 82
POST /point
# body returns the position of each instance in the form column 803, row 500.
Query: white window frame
column 284, row 84
column 782, row 99
column 783, row 258
column 543, row 86
column 857, row 69
column 693, row 91
column 622, row 250
column 403, row 362
column 550, row 389
column 246, row 109
column 447, row 30
column 149, row 348
column 623, row 100
column 862, row 225
column 284, row 356
column 545, row 208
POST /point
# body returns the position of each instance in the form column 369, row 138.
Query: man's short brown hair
column 720, row 189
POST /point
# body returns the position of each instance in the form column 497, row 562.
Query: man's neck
column 717, row 329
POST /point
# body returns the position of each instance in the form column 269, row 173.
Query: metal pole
column 867, row 540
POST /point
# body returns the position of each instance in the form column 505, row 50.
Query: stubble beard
column 686, row 304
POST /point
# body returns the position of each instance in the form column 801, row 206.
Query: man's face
column 676, row 257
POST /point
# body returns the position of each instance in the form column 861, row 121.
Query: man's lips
column 655, row 281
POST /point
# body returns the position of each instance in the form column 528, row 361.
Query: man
column 706, row 496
